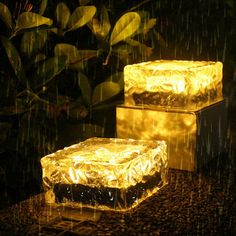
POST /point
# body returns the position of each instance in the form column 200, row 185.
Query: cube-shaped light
column 182, row 84
column 104, row 173
column 193, row 137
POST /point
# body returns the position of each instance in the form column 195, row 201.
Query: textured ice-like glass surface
column 108, row 168
column 186, row 84
column 178, row 128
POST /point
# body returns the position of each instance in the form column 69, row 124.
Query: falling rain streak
column 45, row 109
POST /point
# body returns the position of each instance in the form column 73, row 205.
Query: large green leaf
column 147, row 26
column 81, row 16
column 143, row 49
column 48, row 69
column 33, row 41
column 104, row 91
column 101, row 28
column 5, row 15
column 28, row 20
column 70, row 51
column 125, row 27
column 62, row 14
column 118, row 78
column 85, row 88
column 43, row 6
column 12, row 55
column 72, row 54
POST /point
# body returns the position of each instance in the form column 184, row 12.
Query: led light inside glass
column 103, row 173
column 173, row 83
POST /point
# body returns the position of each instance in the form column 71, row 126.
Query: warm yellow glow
column 168, row 84
column 106, row 163
column 185, row 84
column 193, row 137
column 176, row 127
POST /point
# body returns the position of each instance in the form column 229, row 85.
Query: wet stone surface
column 201, row 203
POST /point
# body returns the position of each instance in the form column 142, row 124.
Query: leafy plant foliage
column 66, row 63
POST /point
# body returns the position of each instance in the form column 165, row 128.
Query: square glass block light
column 193, row 137
column 104, row 173
column 167, row 83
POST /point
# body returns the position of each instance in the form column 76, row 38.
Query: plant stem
column 107, row 58
column 139, row 5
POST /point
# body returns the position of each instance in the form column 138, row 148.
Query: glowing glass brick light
column 115, row 174
column 167, row 83
column 193, row 137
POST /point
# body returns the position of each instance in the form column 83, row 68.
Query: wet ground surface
column 202, row 203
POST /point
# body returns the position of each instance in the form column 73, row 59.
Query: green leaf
column 101, row 28
column 144, row 15
column 70, row 51
column 6, row 16
column 102, row 106
column 55, row 30
column 43, row 6
column 12, row 55
column 79, row 66
column 40, row 57
column 125, row 27
column 33, row 41
column 105, row 21
column 125, row 53
column 28, row 20
column 88, row 54
column 104, row 91
column 147, row 26
column 84, row 2
column 118, row 78
column 160, row 39
column 62, row 14
column 74, row 56
column 81, row 16
column 123, row 49
column 143, row 49
column 38, row 28
column 85, row 88
column 48, row 69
